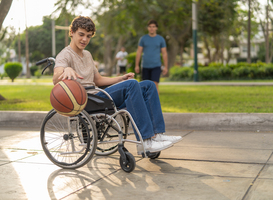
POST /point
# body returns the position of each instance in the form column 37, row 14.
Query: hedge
column 13, row 69
column 215, row 71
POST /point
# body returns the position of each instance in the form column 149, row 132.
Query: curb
column 173, row 121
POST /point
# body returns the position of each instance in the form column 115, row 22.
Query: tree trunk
column 215, row 56
column 4, row 9
column 249, row 32
column 207, row 48
column 108, row 55
column 181, row 54
column 2, row 98
column 172, row 52
column 27, row 55
column 66, row 32
column 120, row 43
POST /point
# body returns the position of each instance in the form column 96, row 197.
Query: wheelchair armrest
column 89, row 87
column 96, row 100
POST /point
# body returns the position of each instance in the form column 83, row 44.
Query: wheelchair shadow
column 104, row 179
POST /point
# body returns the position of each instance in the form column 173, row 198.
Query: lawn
column 216, row 99
column 174, row 98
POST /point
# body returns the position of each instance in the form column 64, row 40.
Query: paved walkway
column 210, row 165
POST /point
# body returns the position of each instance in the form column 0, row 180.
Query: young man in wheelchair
column 140, row 98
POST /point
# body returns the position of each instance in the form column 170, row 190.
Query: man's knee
column 147, row 83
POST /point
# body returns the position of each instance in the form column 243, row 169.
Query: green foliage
column 240, row 71
column 181, row 73
column 33, row 69
column 38, row 73
column 208, row 73
column 131, row 58
column 3, row 75
column 13, row 69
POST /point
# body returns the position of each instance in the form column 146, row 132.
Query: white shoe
column 160, row 137
column 153, row 146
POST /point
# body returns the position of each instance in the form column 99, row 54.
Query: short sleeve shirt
column 151, row 50
column 122, row 55
column 84, row 66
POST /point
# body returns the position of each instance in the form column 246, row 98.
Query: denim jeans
column 142, row 102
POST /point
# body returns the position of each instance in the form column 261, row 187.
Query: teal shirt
column 151, row 50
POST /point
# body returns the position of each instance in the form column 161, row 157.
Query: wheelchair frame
column 65, row 152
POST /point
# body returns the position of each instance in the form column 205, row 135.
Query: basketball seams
column 80, row 88
column 67, row 91
column 76, row 105
column 60, row 102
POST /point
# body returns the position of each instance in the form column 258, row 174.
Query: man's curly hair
column 82, row 22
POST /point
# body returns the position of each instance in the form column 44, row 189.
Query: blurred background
column 231, row 34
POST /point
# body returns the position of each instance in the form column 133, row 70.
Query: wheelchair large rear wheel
column 109, row 132
column 69, row 142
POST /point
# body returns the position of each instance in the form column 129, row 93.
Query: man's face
column 81, row 38
column 152, row 29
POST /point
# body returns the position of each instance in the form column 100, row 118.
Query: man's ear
column 71, row 33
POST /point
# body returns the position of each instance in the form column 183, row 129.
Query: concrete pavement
column 204, row 165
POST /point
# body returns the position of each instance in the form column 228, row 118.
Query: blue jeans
column 142, row 102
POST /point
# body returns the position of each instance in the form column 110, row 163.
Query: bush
column 131, row 58
column 33, row 69
column 3, row 75
column 181, row 73
column 13, row 69
column 225, row 73
column 217, row 71
column 38, row 74
column 208, row 73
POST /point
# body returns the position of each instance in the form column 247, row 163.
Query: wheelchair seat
column 97, row 104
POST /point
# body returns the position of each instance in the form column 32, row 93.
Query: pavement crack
column 252, row 183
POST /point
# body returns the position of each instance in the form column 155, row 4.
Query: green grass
column 216, row 99
column 174, row 98
column 25, row 97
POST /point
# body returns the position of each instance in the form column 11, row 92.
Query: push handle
column 41, row 61
column 49, row 62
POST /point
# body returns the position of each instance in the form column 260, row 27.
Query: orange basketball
column 68, row 97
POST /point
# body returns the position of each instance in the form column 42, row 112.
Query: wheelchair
column 101, row 129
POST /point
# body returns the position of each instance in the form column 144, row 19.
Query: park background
column 234, row 44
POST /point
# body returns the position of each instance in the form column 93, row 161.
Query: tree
column 125, row 20
column 4, row 9
column 67, row 9
column 216, row 17
column 13, row 69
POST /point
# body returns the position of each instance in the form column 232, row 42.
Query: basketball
column 68, row 97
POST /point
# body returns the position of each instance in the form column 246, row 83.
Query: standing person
column 152, row 45
column 122, row 61
column 141, row 99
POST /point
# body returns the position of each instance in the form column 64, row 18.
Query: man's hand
column 165, row 71
column 69, row 73
column 137, row 69
column 128, row 76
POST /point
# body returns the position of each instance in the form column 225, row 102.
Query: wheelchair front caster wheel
column 130, row 163
column 154, row 155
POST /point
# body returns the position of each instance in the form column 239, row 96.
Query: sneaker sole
column 177, row 140
column 157, row 150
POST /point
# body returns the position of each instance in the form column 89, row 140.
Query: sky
column 35, row 10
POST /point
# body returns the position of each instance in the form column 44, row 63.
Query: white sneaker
column 153, row 146
column 160, row 137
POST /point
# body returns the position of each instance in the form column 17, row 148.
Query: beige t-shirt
column 84, row 66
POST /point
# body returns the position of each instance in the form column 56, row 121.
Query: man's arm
column 105, row 81
column 165, row 60
column 61, row 73
column 138, row 55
